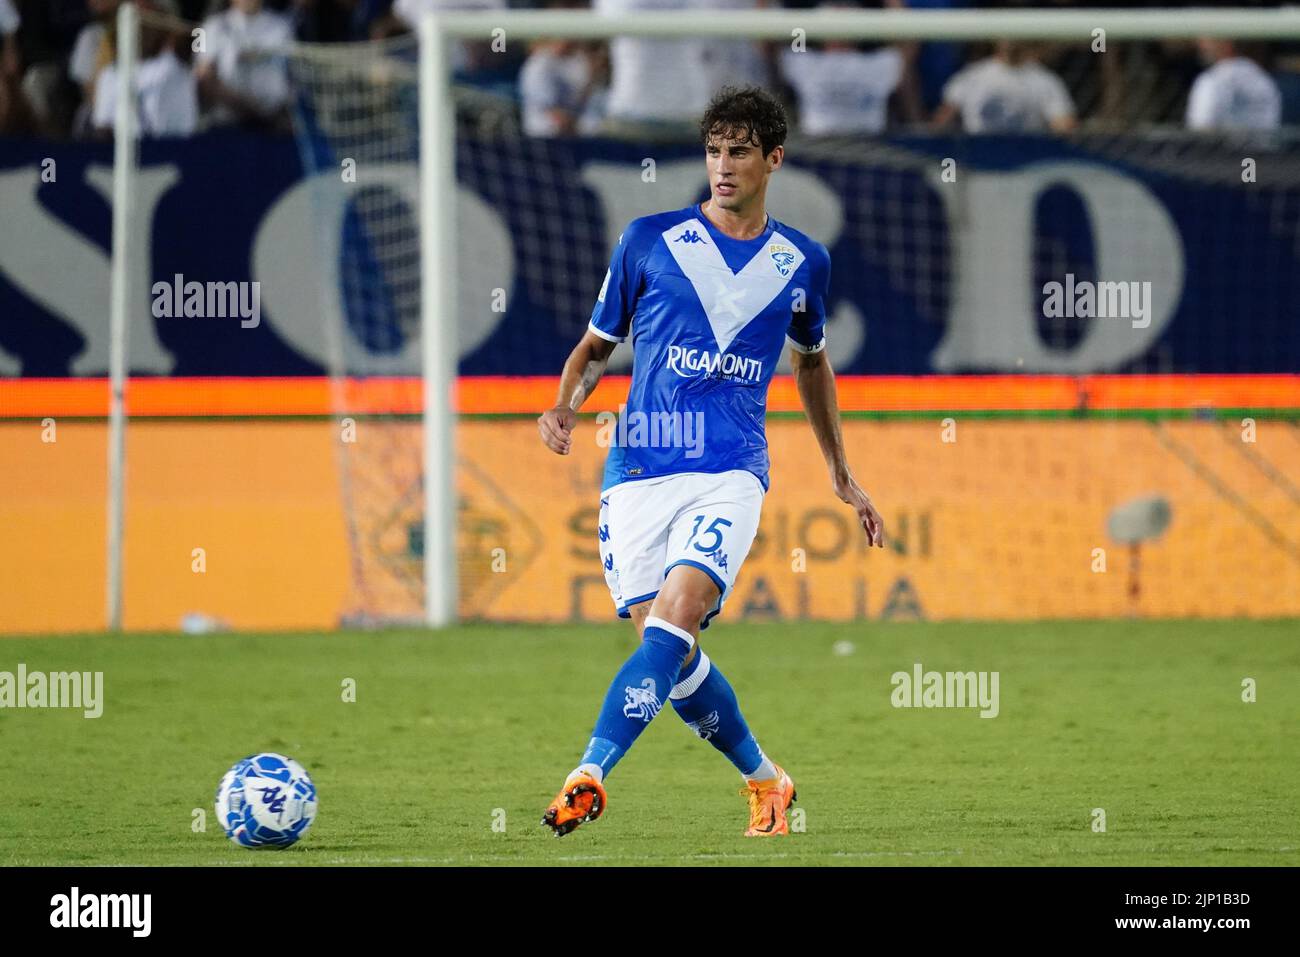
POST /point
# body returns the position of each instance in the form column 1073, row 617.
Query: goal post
column 437, row 319
column 125, row 167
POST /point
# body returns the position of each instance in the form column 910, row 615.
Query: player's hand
column 851, row 493
column 556, row 428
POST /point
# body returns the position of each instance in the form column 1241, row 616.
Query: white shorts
column 649, row 526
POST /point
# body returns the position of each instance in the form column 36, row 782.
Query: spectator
column 841, row 88
column 167, row 96
column 15, row 115
column 92, row 50
column 1233, row 93
column 48, row 29
column 1009, row 92
column 738, row 62
column 238, row 71
column 560, row 86
column 655, row 85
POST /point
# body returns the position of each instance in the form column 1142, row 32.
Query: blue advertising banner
column 949, row 254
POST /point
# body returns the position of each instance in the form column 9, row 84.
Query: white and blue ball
column 266, row 800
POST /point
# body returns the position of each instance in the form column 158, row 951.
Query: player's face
column 738, row 170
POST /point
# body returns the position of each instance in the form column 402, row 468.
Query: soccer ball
column 266, row 800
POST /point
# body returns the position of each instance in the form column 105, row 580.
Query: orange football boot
column 768, row 801
column 582, row 799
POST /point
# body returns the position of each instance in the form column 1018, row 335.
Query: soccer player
column 709, row 294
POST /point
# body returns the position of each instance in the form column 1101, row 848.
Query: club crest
column 783, row 258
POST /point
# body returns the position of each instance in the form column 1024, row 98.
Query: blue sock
column 637, row 694
column 706, row 702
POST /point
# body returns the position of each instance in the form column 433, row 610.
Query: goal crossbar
column 1027, row 24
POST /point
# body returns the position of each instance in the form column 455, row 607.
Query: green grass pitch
column 452, row 733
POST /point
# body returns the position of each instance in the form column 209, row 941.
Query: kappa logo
column 706, row 726
column 691, row 236
column 641, row 702
column 782, row 257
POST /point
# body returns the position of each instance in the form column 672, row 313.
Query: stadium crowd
column 57, row 72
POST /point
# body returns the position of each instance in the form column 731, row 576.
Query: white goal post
column 125, row 164
column 438, row 187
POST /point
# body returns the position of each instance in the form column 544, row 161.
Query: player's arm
column 582, row 370
column 611, row 322
column 815, row 380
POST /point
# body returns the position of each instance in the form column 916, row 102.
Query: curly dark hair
column 746, row 113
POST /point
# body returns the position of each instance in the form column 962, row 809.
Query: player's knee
column 682, row 609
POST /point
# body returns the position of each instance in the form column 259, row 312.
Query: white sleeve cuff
column 605, row 335
column 806, row 350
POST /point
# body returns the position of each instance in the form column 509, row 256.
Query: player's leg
column 702, row 696
column 705, row 700
column 635, row 697
column 640, row 612
column 634, row 535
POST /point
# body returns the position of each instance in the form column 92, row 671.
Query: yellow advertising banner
column 282, row 525
column 986, row 519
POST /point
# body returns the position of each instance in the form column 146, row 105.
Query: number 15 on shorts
column 710, row 540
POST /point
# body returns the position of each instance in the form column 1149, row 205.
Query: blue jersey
column 709, row 316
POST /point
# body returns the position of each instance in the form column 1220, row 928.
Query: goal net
column 355, row 113
column 1063, row 321
column 945, row 243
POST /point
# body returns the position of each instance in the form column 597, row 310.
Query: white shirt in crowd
column 551, row 81
column 410, row 12
column 85, row 52
column 734, row 62
column 238, row 44
column 842, row 91
column 167, row 97
column 9, row 19
column 994, row 96
column 1234, row 94
column 656, row 79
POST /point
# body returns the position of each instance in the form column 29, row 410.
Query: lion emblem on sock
column 706, row 726
column 641, row 702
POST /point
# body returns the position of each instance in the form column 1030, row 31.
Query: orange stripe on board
column 38, row 398
column 1193, row 391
